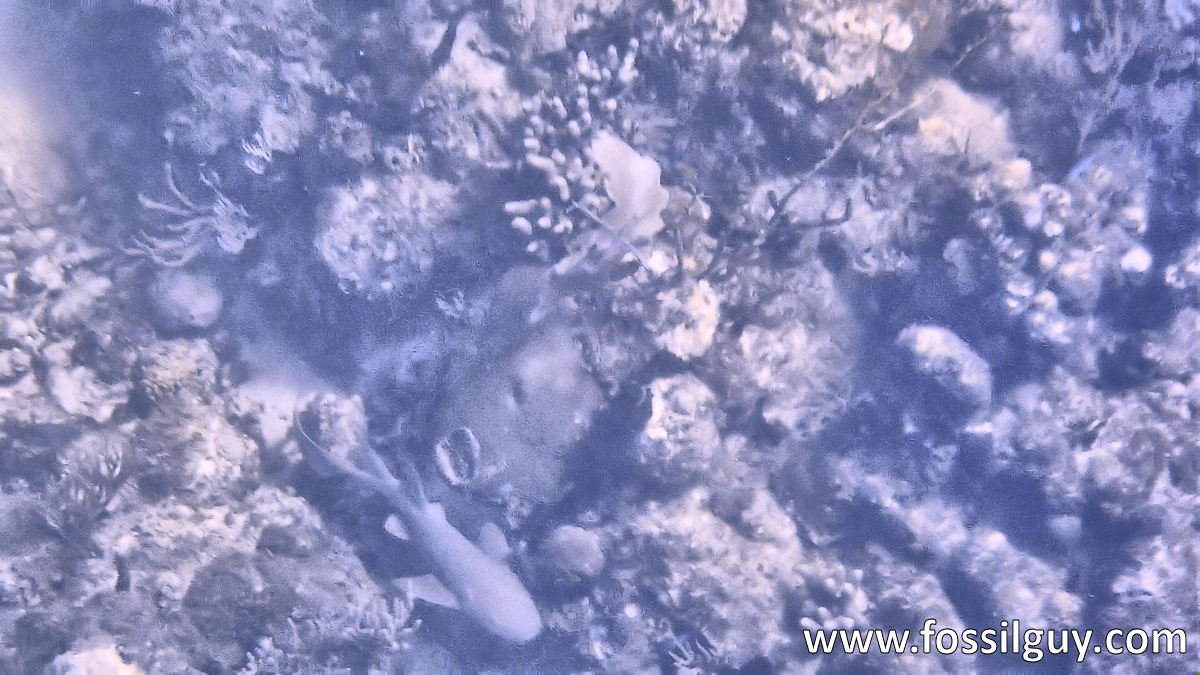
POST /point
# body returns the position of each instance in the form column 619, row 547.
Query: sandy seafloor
column 595, row 335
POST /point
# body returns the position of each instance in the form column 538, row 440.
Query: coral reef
column 382, row 236
column 611, row 336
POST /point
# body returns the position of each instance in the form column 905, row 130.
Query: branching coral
column 587, row 169
column 186, row 229
column 87, row 486
column 338, row 640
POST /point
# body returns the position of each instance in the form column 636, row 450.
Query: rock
column 381, row 236
column 720, row 20
column 572, row 552
column 78, row 300
column 523, row 413
column 80, row 391
column 689, row 317
column 947, row 359
column 94, row 661
column 681, row 440
column 707, row 571
column 1009, row 580
column 228, row 600
column 14, row 363
column 336, row 428
column 543, row 26
column 185, row 301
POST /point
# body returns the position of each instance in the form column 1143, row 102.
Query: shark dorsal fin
column 493, row 542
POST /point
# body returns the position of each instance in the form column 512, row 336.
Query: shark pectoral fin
column 492, row 542
column 395, row 527
column 427, row 587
